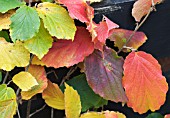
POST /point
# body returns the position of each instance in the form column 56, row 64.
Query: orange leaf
column 112, row 114
column 142, row 7
column 39, row 73
column 36, row 61
column 144, row 84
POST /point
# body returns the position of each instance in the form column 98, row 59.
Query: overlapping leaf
column 67, row 53
column 57, row 20
column 9, row 4
column 39, row 73
column 144, row 84
column 167, row 116
column 25, row 24
column 112, row 114
column 8, row 103
column 13, row 55
column 155, row 115
column 120, row 36
column 93, row 115
column 104, row 74
column 142, row 7
column 72, row 102
column 53, row 96
column 36, row 61
column 40, row 43
column 24, row 80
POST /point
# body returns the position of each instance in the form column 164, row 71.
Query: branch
column 6, row 77
column 28, row 109
column 38, row 110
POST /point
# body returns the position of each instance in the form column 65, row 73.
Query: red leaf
column 167, row 116
column 144, row 84
column 104, row 74
column 67, row 53
column 142, row 7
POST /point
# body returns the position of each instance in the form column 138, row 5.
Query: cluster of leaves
column 46, row 35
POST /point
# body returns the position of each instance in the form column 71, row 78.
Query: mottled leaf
column 25, row 24
column 155, row 115
column 144, row 84
column 93, row 115
column 57, row 20
column 40, row 43
column 13, row 55
column 40, row 75
column 67, row 53
column 104, row 74
column 24, row 80
column 142, row 7
column 72, row 102
column 8, row 103
column 53, row 96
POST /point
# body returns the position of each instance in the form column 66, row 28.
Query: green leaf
column 155, row 115
column 57, row 20
column 0, row 76
column 9, row 4
column 39, row 44
column 25, row 24
column 47, row 0
column 8, row 102
column 5, row 35
column 88, row 98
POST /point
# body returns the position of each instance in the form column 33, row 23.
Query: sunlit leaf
column 25, row 24
column 5, row 19
column 93, row 115
column 36, row 61
column 104, row 74
column 39, row 73
column 8, row 103
column 24, row 80
column 92, row 1
column 67, row 53
column 112, row 114
column 167, row 116
column 72, row 102
column 53, row 96
column 144, row 84
column 142, row 7
column 155, row 115
column 13, row 55
column 40, row 43
column 9, row 4
column 120, row 36
column 57, row 20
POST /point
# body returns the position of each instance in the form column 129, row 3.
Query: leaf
column 24, row 80
column 167, row 116
column 40, row 75
column 40, row 43
column 92, row 1
column 47, row 0
column 5, row 19
column 5, row 35
column 155, row 115
column 53, row 96
column 9, row 4
column 13, row 55
column 25, row 24
column 36, row 61
column 112, row 114
column 144, row 84
column 56, row 20
column 142, row 7
column 0, row 76
column 93, row 115
column 104, row 74
column 72, row 102
column 88, row 98
column 120, row 36
column 8, row 103
column 67, row 53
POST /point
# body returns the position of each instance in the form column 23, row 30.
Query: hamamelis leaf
column 24, row 80
column 93, row 115
column 39, row 73
column 167, row 116
column 155, row 115
column 144, row 84
column 112, row 114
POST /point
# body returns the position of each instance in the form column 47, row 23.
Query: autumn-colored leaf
column 93, row 115
column 36, row 61
column 39, row 73
column 167, row 116
column 40, row 43
column 25, row 23
column 72, row 102
column 53, row 96
column 67, row 53
column 104, row 74
column 5, row 19
column 112, row 114
column 8, row 103
column 24, row 80
column 57, row 20
column 13, row 55
column 142, row 7
column 92, row 1
column 144, row 84
column 120, row 36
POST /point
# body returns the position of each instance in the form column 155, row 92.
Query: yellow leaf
column 5, row 19
column 112, row 114
column 93, row 115
column 92, row 1
column 36, row 61
column 13, row 55
column 72, row 102
column 53, row 96
column 24, row 80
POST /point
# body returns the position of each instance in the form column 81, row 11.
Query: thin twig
column 19, row 116
column 52, row 71
column 38, row 110
column 28, row 109
column 29, row 3
column 6, row 77
column 52, row 113
column 26, row 69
